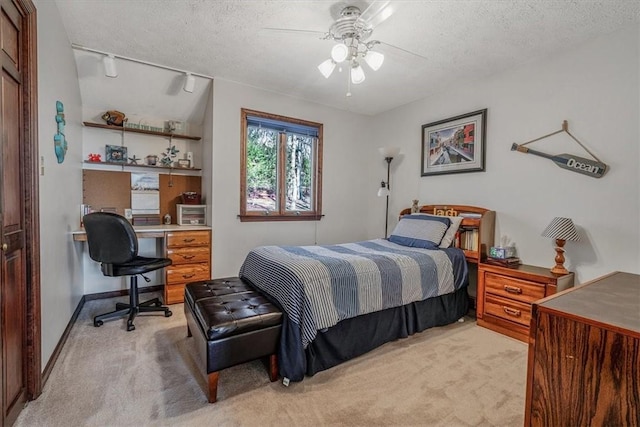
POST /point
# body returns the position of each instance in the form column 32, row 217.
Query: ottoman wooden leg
column 213, row 387
column 273, row 368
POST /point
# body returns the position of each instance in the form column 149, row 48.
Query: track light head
column 109, row 63
column 189, row 82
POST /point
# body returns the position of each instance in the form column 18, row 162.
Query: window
column 281, row 168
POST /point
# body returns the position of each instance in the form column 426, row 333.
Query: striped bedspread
column 318, row 286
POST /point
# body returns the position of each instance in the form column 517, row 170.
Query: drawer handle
column 188, row 276
column 511, row 311
column 188, row 240
column 512, row 289
column 187, row 256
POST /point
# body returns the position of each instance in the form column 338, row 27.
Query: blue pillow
column 419, row 231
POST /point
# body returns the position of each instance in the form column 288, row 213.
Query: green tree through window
column 281, row 168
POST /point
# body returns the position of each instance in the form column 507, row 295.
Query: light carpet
column 457, row 375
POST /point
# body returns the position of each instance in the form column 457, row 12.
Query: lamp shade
column 561, row 228
column 327, row 67
column 109, row 63
column 374, row 60
column 357, row 74
column 389, row 151
column 339, row 52
column 383, row 190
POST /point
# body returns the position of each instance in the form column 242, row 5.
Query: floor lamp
column 385, row 186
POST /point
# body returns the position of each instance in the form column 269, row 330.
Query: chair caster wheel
column 98, row 323
column 130, row 327
column 168, row 313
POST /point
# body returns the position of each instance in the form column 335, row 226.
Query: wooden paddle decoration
column 594, row 168
column 568, row 161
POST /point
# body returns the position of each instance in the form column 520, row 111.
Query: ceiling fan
column 352, row 30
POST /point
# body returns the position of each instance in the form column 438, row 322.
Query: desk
column 584, row 348
column 188, row 247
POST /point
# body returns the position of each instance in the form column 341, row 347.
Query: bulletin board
column 111, row 190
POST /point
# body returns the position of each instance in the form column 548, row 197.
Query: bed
column 341, row 301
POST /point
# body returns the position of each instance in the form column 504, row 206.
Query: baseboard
column 89, row 297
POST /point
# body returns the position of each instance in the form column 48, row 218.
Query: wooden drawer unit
column 505, row 296
column 190, row 252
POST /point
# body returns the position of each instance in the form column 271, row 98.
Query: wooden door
column 16, row 173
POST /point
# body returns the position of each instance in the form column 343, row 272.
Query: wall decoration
column 116, row 154
column 170, row 153
column 94, row 157
column 454, row 145
column 59, row 140
column 114, row 118
column 593, row 168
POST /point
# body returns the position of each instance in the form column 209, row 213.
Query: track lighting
column 109, row 63
column 189, row 82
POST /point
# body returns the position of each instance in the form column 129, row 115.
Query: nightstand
column 505, row 296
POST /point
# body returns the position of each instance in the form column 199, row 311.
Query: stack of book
column 504, row 262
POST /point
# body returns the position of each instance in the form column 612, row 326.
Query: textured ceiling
column 460, row 39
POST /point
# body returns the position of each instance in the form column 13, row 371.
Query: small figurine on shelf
column 114, row 118
column 152, row 160
column 168, row 156
column 414, row 207
column 95, row 157
column 133, row 160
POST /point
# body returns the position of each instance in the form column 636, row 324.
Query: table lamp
column 561, row 229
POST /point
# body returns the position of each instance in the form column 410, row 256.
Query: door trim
column 30, row 176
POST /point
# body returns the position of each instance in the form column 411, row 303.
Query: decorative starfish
column 133, row 160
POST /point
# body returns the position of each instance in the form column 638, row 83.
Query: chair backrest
column 111, row 238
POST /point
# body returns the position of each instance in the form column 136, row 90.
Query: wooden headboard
column 483, row 222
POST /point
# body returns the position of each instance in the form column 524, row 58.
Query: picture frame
column 454, row 145
column 116, row 153
column 184, row 163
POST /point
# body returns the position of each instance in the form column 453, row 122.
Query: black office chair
column 113, row 242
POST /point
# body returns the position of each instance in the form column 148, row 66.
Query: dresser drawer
column 188, row 238
column 508, row 309
column 189, row 255
column 515, row 289
column 174, row 294
column 188, row 273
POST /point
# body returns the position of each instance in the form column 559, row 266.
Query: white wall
column 595, row 87
column 344, row 182
column 61, row 184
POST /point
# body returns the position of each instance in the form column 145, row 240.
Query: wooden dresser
column 505, row 296
column 584, row 355
column 190, row 252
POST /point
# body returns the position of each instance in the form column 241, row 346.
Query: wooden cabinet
column 505, row 296
column 190, row 253
column 584, row 356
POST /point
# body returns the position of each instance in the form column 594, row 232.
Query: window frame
column 282, row 214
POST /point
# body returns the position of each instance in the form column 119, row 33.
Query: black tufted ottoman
column 231, row 324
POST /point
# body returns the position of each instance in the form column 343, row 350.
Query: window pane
column 299, row 172
column 262, row 175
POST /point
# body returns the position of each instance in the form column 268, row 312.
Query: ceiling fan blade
column 320, row 34
column 403, row 50
column 376, row 12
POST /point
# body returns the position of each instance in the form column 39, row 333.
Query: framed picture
column 184, row 163
column 116, row 153
column 454, row 145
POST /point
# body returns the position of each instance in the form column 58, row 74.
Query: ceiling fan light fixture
column 327, row 67
column 374, row 59
column 339, row 52
column 357, row 74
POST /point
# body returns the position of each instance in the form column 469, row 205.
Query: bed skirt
column 356, row 336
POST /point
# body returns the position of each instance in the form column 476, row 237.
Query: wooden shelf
column 129, row 165
column 143, row 131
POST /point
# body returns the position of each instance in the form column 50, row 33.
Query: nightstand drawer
column 508, row 309
column 516, row 289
